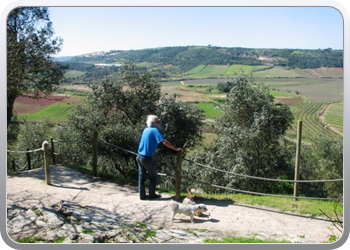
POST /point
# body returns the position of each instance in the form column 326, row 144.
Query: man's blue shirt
column 150, row 139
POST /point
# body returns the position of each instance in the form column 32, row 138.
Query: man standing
column 150, row 139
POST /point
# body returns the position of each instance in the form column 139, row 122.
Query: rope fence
column 261, row 178
column 178, row 172
column 25, row 152
column 44, row 158
column 26, row 162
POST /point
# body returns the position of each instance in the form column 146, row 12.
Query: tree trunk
column 10, row 104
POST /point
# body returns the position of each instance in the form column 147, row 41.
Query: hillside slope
column 189, row 57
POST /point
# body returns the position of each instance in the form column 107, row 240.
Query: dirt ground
column 29, row 188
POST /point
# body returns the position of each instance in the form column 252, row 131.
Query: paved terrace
column 28, row 189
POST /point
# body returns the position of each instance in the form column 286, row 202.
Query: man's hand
column 179, row 149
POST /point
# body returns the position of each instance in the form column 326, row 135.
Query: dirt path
column 322, row 117
column 28, row 188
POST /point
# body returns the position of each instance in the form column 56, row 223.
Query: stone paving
column 73, row 223
column 81, row 208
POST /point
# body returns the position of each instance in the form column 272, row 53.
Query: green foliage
column 250, row 142
column 39, row 240
column 181, row 125
column 279, row 187
column 149, row 233
column 13, row 131
column 140, row 96
column 87, row 231
column 225, row 86
column 115, row 111
column 80, row 66
column 31, row 136
column 59, row 240
column 251, row 126
column 118, row 111
column 316, row 59
column 324, row 161
column 31, row 240
column 29, row 40
column 180, row 122
column 188, row 58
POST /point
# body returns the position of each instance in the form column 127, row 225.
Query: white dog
column 190, row 210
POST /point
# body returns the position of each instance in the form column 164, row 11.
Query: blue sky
column 90, row 29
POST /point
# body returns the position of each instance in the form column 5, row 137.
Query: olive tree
column 30, row 45
column 30, row 136
column 114, row 110
column 118, row 112
column 322, row 160
column 251, row 129
column 180, row 124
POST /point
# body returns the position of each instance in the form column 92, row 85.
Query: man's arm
column 171, row 146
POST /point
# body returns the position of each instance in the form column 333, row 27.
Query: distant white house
column 107, row 65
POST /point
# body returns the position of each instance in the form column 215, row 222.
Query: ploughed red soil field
column 27, row 105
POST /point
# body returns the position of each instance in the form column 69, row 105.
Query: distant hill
column 185, row 58
column 63, row 58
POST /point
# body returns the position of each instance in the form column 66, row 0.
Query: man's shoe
column 144, row 197
column 155, row 196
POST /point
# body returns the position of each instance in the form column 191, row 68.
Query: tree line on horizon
column 188, row 57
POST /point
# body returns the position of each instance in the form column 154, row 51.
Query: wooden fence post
column 45, row 147
column 178, row 175
column 14, row 165
column 94, row 154
column 297, row 159
column 28, row 160
column 53, row 152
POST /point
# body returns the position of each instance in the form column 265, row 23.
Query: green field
column 308, row 113
column 195, row 70
column 278, row 93
column 56, row 112
column 203, row 71
column 334, row 116
column 313, row 89
column 209, row 109
column 247, row 69
column 318, row 87
column 276, row 72
column 74, row 73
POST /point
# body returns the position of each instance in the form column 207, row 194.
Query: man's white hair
column 151, row 119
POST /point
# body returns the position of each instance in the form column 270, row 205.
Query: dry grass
column 186, row 95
